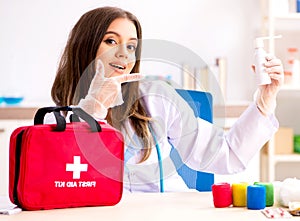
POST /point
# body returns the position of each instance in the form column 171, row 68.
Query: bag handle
column 61, row 121
column 79, row 112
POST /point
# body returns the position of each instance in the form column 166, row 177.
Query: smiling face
column 118, row 47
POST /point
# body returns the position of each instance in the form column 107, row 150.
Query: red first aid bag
column 65, row 164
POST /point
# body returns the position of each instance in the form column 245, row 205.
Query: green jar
column 297, row 143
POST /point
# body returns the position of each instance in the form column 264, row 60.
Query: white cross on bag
column 76, row 167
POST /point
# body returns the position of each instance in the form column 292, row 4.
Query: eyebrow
column 115, row 33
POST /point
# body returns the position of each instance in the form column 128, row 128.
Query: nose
column 121, row 51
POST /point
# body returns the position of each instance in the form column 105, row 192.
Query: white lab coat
column 201, row 145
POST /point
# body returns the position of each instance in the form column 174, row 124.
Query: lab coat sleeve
column 206, row 147
column 244, row 140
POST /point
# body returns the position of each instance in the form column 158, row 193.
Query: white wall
column 33, row 34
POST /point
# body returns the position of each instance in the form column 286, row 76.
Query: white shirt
column 201, row 145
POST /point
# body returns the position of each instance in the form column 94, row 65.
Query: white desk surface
column 188, row 206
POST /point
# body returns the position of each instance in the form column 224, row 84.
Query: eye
column 131, row 47
column 110, row 41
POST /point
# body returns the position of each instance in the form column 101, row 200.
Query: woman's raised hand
column 105, row 92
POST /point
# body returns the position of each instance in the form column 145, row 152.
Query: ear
column 253, row 67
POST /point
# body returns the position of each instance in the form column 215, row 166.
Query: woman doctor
column 99, row 71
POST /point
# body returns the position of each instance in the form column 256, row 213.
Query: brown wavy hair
column 75, row 72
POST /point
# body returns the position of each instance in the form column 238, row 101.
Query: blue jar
column 256, row 197
column 298, row 6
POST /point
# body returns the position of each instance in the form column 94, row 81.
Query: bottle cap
column 259, row 42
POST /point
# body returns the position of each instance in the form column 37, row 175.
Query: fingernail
column 143, row 76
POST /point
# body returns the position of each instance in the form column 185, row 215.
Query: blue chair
column 201, row 103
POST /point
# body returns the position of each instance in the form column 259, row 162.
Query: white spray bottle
column 262, row 77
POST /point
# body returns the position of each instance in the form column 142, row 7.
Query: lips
column 118, row 66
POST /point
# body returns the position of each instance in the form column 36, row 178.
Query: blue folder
column 201, row 103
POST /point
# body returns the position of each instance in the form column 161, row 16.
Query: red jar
column 222, row 194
